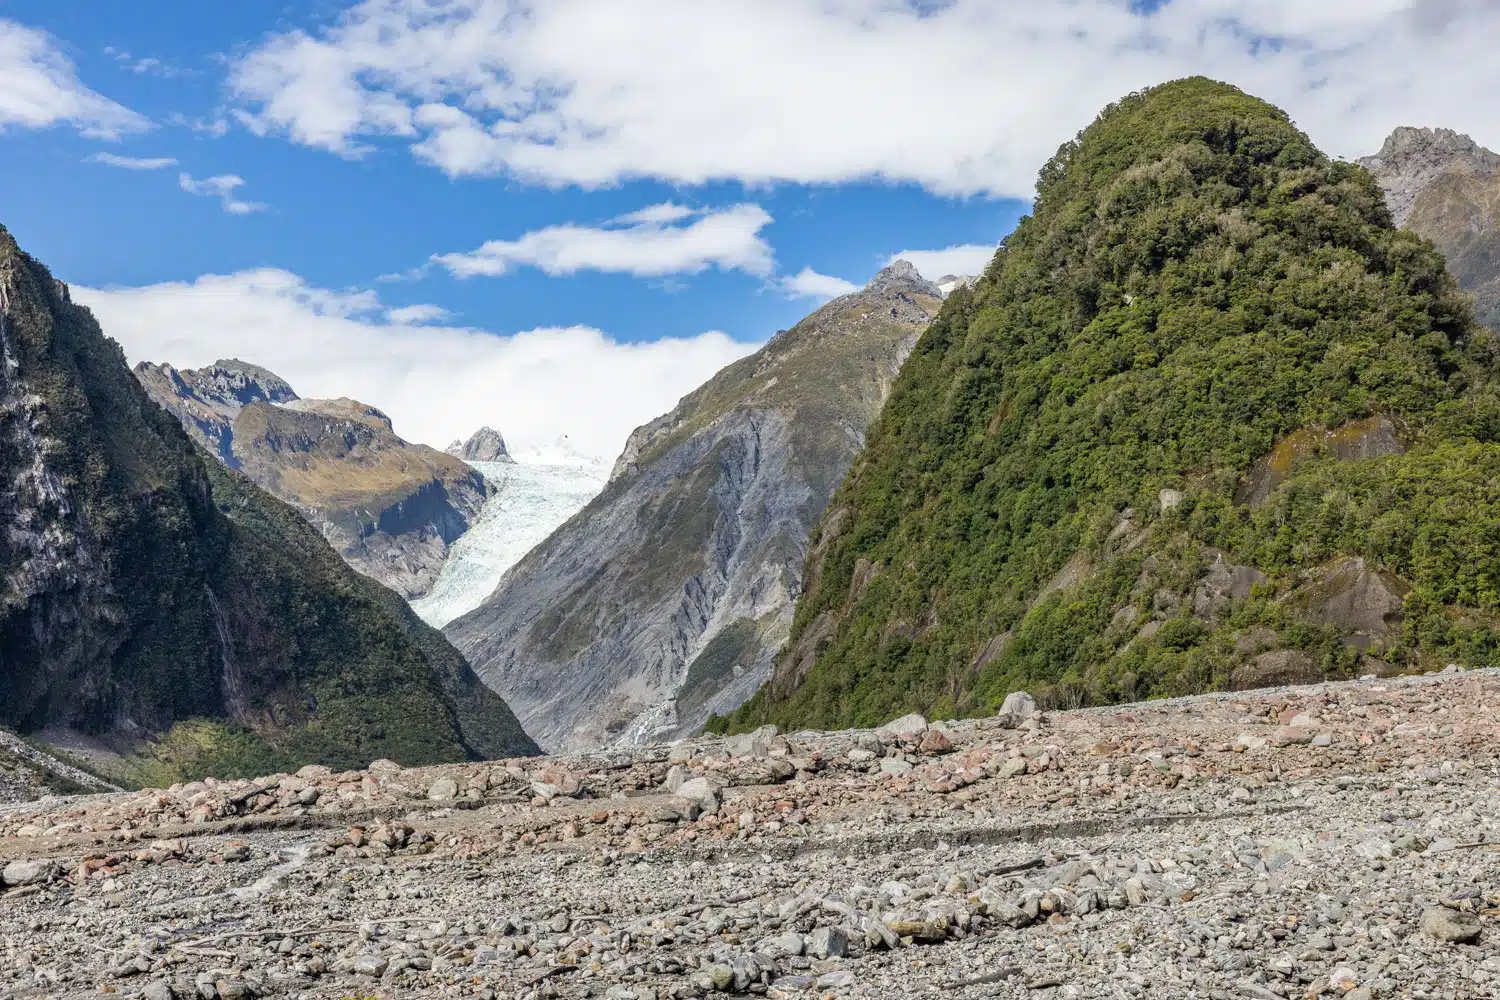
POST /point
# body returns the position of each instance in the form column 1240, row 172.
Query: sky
column 556, row 217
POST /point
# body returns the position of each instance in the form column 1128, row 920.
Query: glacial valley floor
column 1338, row 840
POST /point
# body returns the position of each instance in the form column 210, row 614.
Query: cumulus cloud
column 809, row 284
column 966, row 96
column 39, row 86
column 966, row 258
column 650, row 242
column 437, row 382
column 133, row 162
column 423, row 313
column 222, row 187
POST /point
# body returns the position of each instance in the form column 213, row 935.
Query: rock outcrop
column 1443, row 185
column 665, row 599
column 161, row 600
column 389, row 507
column 484, row 445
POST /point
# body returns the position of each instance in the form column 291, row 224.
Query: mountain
column 666, row 598
column 1208, row 420
column 484, row 445
column 534, row 494
column 1446, row 187
column 163, row 600
column 391, row 508
column 207, row 400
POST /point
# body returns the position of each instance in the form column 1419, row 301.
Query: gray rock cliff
column 667, row 597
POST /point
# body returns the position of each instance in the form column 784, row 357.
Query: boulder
column 907, row 727
column 24, row 873
column 1019, row 704
column 1278, row 668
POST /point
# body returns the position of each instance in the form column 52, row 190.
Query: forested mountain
column 1209, row 419
column 160, row 600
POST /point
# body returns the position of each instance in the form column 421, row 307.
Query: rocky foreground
column 1336, row 840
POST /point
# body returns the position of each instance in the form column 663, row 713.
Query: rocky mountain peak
column 902, row 276
column 484, row 445
column 1412, row 158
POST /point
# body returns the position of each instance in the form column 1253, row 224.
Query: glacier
column 535, row 494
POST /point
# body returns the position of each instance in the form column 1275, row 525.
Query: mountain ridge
column 1444, row 186
column 665, row 598
column 389, row 507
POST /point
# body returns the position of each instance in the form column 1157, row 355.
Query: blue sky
column 649, row 175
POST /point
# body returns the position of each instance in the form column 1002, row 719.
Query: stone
column 1449, row 926
column 1168, row 499
column 1019, row 704
column 752, row 744
column 1012, row 766
column 834, row 980
column 935, row 742
column 24, row 873
column 828, row 942
column 373, row 966
column 157, row 990
column 233, row 989
column 906, row 727
column 702, row 790
column 895, row 767
column 1277, row 668
column 443, row 790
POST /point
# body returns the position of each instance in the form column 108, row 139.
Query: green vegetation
column 1197, row 283
column 162, row 587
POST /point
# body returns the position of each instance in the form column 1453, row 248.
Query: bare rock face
column 1413, row 159
column 1364, row 602
column 389, row 507
column 1446, row 187
column 484, row 445
column 666, row 598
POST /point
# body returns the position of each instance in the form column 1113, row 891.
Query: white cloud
column 133, row 162
column 964, row 96
column 967, row 258
column 437, row 382
column 646, row 243
column 809, row 284
column 423, row 313
column 39, row 86
column 222, row 187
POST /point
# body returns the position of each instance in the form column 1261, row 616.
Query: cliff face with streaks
column 666, row 598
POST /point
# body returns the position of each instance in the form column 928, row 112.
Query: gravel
column 1191, row 848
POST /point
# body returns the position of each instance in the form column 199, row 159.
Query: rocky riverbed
column 1341, row 840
